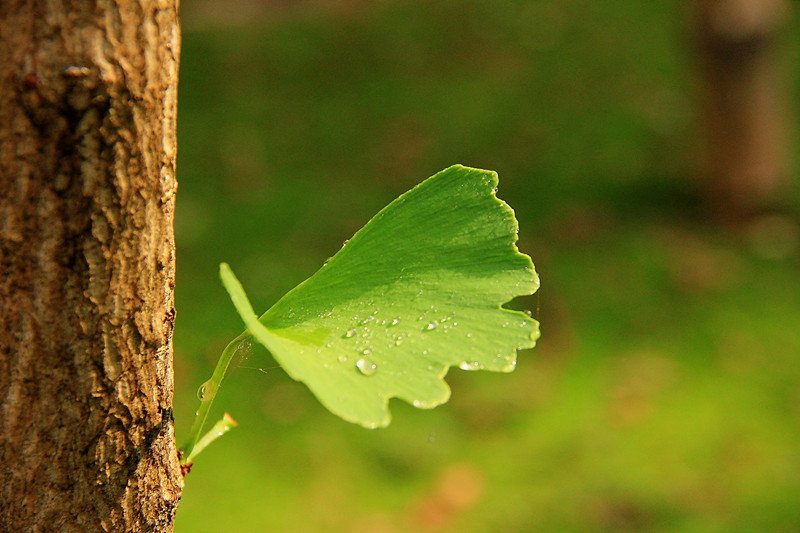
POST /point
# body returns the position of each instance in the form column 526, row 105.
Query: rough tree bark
column 745, row 106
column 87, row 183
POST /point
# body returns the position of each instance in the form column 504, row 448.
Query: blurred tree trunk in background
column 87, row 181
column 745, row 106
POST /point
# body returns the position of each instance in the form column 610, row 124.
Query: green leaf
column 417, row 290
column 223, row 425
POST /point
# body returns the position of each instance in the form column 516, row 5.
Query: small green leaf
column 223, row 425
column 417, row 290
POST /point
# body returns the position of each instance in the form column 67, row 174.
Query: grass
column 663, row 394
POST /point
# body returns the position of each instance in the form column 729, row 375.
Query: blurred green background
column 664, row 394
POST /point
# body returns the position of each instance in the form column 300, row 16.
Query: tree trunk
column 745, row 107
column 87, row 183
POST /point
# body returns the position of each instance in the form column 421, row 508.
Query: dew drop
column 367, row 320
column 350, row 333
column 204, row 392
column 395, row 321
column 366, row 367
column 342, row 358
column 470, row 365
column 431, row 326
column 398, row 341
column 366, row 351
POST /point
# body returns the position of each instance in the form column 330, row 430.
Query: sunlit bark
column 87, row 182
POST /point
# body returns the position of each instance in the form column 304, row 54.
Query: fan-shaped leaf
column 417, row 290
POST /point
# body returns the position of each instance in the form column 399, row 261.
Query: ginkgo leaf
column 417, row 290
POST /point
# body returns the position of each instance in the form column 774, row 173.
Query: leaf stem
column 207, row 393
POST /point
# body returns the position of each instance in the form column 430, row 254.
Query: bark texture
column 87, row 183
column 745, row 105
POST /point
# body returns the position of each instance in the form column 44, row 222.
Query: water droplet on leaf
column 366, row 367
column 350, row 333
column 431, row 326
column 510, row 366
column 204, row 392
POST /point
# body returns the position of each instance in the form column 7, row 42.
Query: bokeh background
column 664, row 394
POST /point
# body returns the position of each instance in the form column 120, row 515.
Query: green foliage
column 223, row 425
column 417, row 290
column 414, row 292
